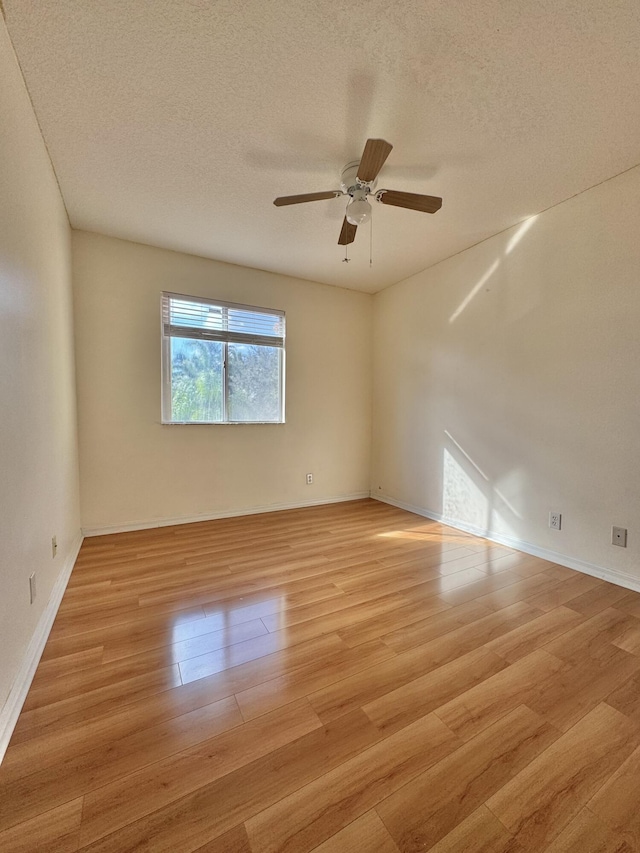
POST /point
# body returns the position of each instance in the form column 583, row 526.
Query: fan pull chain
column 371, row 242
column 346, row 258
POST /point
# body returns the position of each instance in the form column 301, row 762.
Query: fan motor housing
column 349, row 182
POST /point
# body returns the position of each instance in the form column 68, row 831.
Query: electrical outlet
column 54, row 545
column 32, row 587
column 309, row 479
column 555, row 520
column 619, row 536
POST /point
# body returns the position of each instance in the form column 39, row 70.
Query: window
column 221, row 362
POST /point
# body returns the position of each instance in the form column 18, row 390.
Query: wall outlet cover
column 619, row 536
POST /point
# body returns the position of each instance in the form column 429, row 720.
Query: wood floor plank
column 83, row 622
column 629, row 640
column 588, row 834
column 484, row 586
column 233, row 656
column 534, row 634
column 555, row 570
column 630, row 603
column 333, row 610
column 57, row 746
column 435, row 554
column 296, row 823
column 521, row 590
column 60, row 666
column 277, row 692
column 617, row 803
column 409, row 574
column 149, row 788
column 119, row 693
column 597, row 599
column 425, row 810
column 96, row 678
column 502, row 560
column 370, row 629
column 186, row 640
column 214, row 808
column 234, row 841
column 292, row 593
column 201, row 593
column 541, row 800
column 402, row 706
column 565, row 591
column 55, row 831
column 161, row 625
column 532, row 566
column 366, row 833
column 51, row 720
column 470, row 636
column 626, row 698
column 578, row 687
column 589, row 636
column 47, row 787
column 195, row 646
column 480, row 706
column 417, row 633
column 481, row 832
column 372, row 683
column 353, row 692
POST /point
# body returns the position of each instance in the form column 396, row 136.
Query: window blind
column 205, row 319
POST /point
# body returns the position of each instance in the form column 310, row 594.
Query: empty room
column 320, row 426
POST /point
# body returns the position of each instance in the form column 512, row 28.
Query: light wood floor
column 342, row 678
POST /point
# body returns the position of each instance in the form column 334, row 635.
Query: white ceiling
column 177, row 123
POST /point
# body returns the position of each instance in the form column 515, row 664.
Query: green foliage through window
column 222, row 363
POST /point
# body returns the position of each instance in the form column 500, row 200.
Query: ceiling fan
column 358, row 180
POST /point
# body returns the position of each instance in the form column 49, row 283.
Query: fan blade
column 375, row 153
column 299, row 199
column 348, row 233
column 412, row 201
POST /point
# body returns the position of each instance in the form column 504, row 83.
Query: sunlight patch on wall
column 466, row 455
column 475, row 290
column 508, row 504
column 462, row 499
column 519, row 234
column 470, row 497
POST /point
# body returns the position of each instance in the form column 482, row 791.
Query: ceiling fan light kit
column 358, row 181
column 358, row 210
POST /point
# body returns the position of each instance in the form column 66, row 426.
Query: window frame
column 237, row 338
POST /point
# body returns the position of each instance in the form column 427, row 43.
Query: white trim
column 611, row 575
column 22, row 682
column 212, row 516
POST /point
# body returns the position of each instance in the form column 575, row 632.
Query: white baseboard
column 232, row 513
column 611, row 575
column 18, row 693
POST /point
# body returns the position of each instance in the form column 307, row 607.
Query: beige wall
column 507, row 381
column 135, row 470
column 38, row 454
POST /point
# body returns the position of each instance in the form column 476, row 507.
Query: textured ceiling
column 177, row 123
